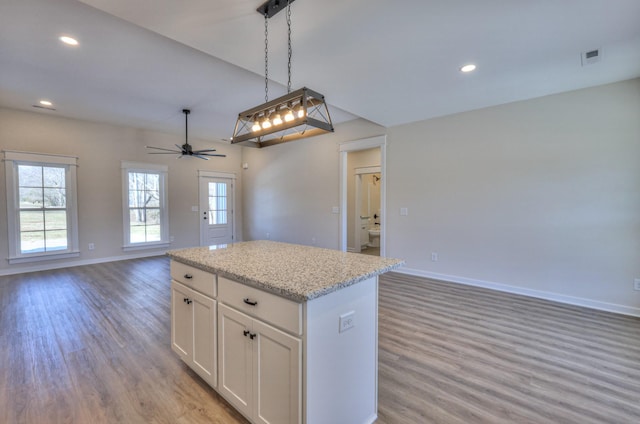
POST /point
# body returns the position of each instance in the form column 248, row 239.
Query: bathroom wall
column 358, row 159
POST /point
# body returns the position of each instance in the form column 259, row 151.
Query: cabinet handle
column 187, row 301
column 246, row 333
column 250, row 302
column 252, row 335
column 188, row 276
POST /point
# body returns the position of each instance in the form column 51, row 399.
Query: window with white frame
column 145, row 209
column 41, row 206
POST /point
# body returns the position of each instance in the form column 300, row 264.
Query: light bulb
column 277, row 120
column 266, row 123
column 288, row 117
column 256, row 126
column 300, row 112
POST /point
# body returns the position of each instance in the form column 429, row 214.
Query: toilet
column 374, row 236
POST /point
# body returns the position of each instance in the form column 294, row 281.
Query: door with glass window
column 216, row 211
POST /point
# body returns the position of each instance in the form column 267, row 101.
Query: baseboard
column 68, row 264
column 556, row 297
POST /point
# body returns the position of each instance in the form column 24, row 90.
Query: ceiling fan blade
column 179, row 147
column 200, row 156
column 204, row 150
column 161, row 148
column 162, row 153
column 212, row 154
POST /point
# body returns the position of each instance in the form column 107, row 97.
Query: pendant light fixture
column 186, row 149
column 298, row 114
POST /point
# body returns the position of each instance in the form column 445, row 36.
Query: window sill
column 143, row 246
column 43, row 257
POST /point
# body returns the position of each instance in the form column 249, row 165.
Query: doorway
column 216, row 194
column 366, row 215
column 348, row 216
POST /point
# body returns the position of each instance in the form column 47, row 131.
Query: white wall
column 290, row 188
column 100, row 148
column 540, row 197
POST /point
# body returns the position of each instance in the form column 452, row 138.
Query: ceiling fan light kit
column 186, row 149
column 298, row 114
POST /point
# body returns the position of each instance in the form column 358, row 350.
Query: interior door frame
column 379, row 141
column 225, row 175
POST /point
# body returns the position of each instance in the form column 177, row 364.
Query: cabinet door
column 181, row 321
column 204, row 337
column 235, row 359
column 277, row 375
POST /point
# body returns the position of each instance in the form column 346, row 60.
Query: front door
column 216, row 211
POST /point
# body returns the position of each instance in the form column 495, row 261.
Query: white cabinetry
column 260, row 365
column 194, row 319
column 279, row 361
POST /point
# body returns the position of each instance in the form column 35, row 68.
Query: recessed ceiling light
column 45, row 103
column 68, row 40
column 468, row 68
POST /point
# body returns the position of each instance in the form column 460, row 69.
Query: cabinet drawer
column 281, row 312
column 199, row 280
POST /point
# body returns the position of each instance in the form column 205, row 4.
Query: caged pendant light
column 298, row 114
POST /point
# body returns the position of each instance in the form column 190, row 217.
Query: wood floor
column 455, row 354
column 91, row 345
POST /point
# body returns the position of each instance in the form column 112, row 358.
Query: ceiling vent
column 590, row 57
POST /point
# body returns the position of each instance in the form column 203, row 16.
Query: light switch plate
column 347, row 321
column 194, row 209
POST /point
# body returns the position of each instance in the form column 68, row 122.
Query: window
column 217, row 203
column 41, row 206
column 145, row 205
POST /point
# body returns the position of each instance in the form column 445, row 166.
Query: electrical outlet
column 335, row 209
column 171, row 239
column 404, row 211
column 313, row 241
column 268, row 236
column 347, row 321
column 434, row 256
column 92, row 246
column 636, row 284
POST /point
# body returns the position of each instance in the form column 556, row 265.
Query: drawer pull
column 246, row 333
column 252, row 335
column 250, row 302
column 188, row 276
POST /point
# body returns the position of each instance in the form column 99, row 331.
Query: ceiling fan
column 186, row 149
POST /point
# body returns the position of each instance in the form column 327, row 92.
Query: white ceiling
column 141, row 62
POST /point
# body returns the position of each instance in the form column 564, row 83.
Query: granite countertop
column 297, row 272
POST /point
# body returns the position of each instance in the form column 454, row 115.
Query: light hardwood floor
column 92, row 345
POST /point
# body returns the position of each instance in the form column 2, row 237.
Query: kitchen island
column 286, row 333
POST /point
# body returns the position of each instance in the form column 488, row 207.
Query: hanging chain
column 266, row 58
column 289, row 43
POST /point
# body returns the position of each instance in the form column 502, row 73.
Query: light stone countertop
column 297, row 272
